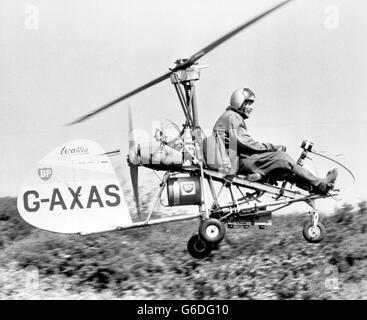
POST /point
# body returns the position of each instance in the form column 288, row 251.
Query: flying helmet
column 241, row 95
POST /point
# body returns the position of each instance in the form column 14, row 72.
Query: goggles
column 247, row 102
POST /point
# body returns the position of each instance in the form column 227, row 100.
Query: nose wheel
column 314, row 233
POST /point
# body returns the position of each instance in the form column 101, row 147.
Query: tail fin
column 74, row 189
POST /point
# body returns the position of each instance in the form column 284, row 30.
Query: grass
column 152, row 263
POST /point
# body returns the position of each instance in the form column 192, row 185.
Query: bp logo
column 188, row 188
column 45, row 173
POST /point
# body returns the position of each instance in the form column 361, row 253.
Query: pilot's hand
column 280, row 148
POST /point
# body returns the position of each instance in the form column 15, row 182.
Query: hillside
column 152, row 263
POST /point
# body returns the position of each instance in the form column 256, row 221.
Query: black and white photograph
column 192, row 152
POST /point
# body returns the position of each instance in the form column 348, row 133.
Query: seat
column 217, row 157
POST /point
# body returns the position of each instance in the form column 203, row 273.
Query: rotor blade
column 125, row 96
column 186, row 63
column 229, row 35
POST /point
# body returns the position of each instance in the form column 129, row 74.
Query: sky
column 61, row 59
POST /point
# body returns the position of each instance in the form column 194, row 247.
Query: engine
column 171, row 147
column 160, row 154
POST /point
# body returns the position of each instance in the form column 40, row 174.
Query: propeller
column 183, row 64
column 133, row 164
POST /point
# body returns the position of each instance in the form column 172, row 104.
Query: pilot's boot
column 306, row 180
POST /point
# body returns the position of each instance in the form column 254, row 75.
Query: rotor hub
column 188, row 74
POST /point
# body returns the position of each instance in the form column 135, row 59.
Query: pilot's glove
column 280, row 148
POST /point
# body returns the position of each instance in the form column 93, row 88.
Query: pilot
column 258, row 160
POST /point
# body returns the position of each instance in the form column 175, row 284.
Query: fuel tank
column 184, row 191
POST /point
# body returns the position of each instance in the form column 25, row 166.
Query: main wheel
column 314, row 234
column 198, row 248
column 212, row 230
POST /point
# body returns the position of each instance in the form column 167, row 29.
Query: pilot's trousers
column 265, row 162
column 274, row 162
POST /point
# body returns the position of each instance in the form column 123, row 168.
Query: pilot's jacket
column 254, row 157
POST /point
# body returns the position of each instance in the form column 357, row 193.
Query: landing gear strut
column 314, row 231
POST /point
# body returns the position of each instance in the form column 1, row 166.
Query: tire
column 198, row 248
column 212, row 231
column 314, row 235
column 215, row 246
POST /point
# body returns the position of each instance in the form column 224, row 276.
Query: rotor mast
column 184, row 83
